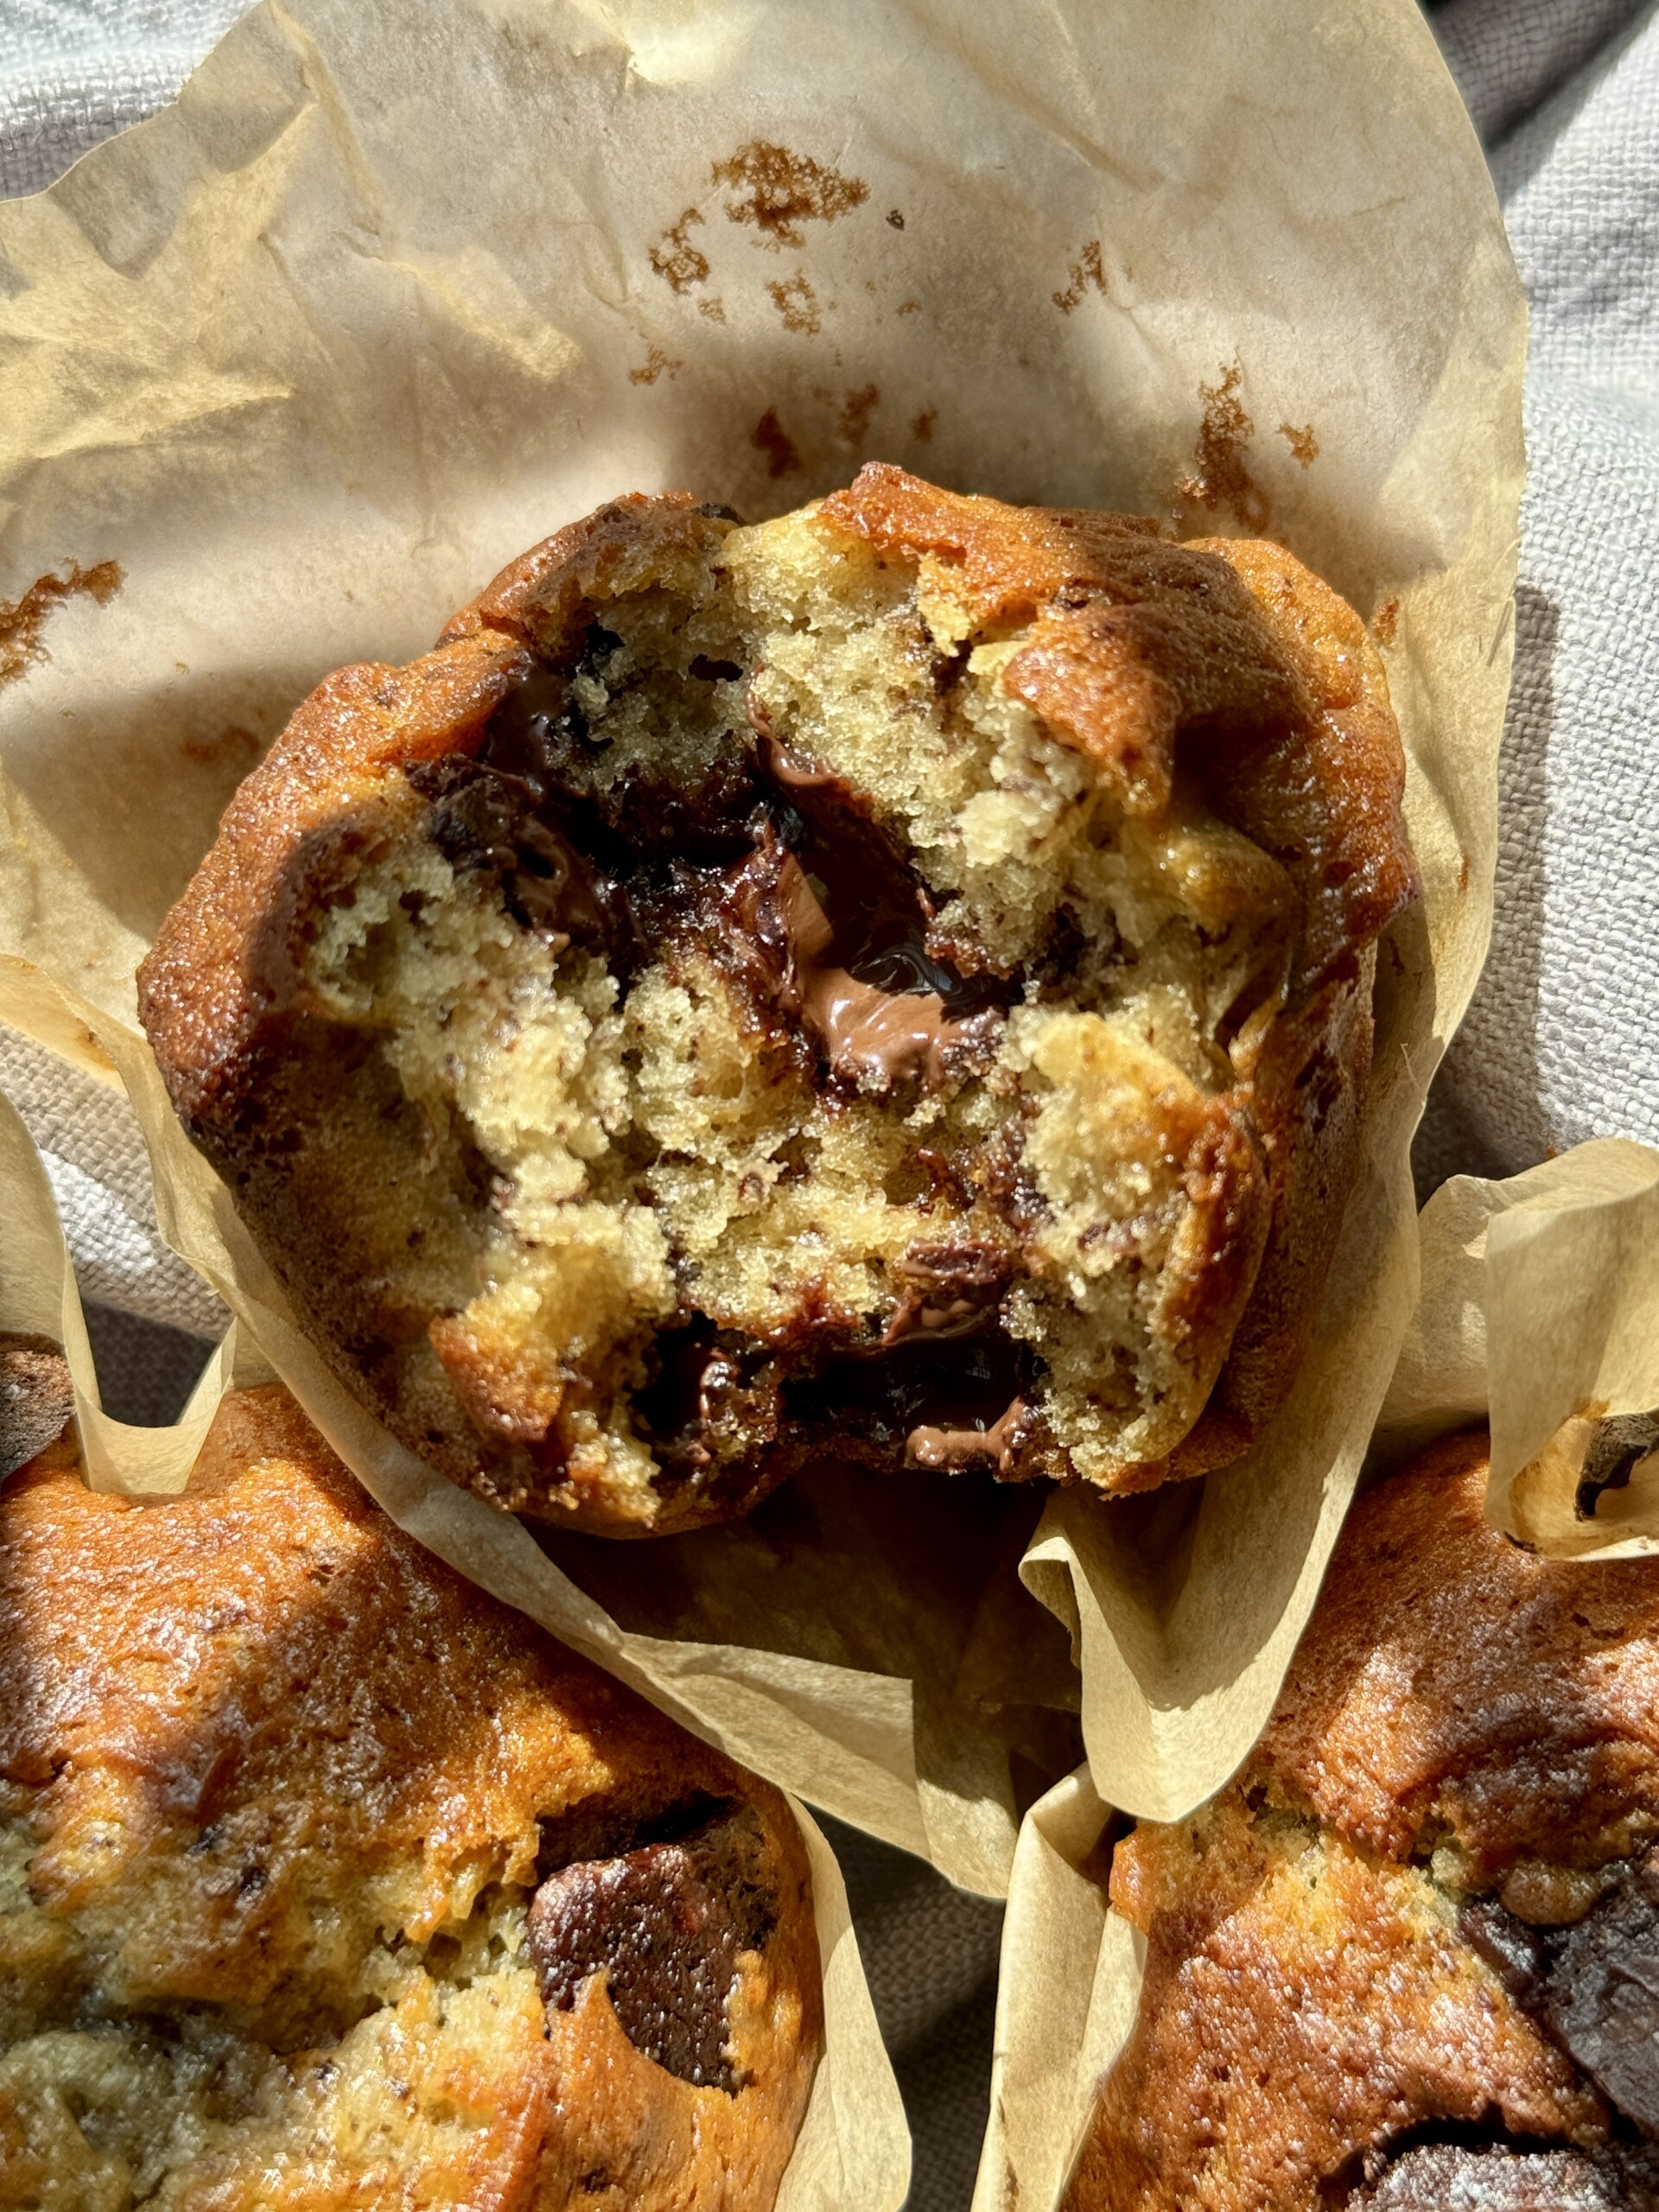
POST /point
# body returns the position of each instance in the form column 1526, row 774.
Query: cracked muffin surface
column 1410, row 1957
column 894, row 980
column 327, row 1881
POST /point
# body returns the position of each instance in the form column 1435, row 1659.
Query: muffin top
column 316, row 1861
column 1413, row 1947
column 892, row 981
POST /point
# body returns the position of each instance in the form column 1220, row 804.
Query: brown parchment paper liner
column 397, row 287
column 853, row 2152
column 1539, row 1314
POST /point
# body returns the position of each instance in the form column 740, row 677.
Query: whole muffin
column 1409, row 1959
column 897, row 979
column 327, row 1881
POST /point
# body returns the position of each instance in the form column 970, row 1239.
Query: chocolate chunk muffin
column 1410, row 1957
column 326, row 1881
column 894, row 979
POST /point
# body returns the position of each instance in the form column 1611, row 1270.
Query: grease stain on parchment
column 921, row 427
column 23, row 620
column 1304, row 446
column 1385, row 623
column 796, row 303
column 1220, row 476
column 237, row 742
column 1088, row 273
column 855, row 413
column 676, row 260
column 780, row 190
column 655, row 364
column 770, row 437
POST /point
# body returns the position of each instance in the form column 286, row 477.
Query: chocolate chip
column 665, row 1924
column 37, row 1399
column 1503, row 2178
column 875, row 1403
column 715, row 1399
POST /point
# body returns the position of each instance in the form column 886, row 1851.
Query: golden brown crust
column 1279, row 707
column 1283, row 2024
column 256, row 1730
column 1532, row 1725
column 1464, row 1719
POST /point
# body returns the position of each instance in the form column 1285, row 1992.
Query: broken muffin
column 895, row 980
column 1409, row 1959
column 327, row 1880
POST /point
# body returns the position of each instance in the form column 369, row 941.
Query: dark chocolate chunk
column 1505, row 2177
column 482, row 818
column 36, row 1398
column 715, row 1399
column 876, row 1402
column 664, row 1922
column 1618, row 1443
column 1518, row 1954
column 1602, row 1995
column 1593, row 1986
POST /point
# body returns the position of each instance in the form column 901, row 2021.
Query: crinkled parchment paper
column 853, row 2154
column 400, row 285
column 1539, row 1314
column 1065, row 1999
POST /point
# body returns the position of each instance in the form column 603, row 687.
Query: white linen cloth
column 1562, row 1041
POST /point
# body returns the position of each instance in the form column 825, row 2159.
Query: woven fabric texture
column 1562, row 1042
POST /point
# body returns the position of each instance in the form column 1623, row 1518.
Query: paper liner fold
column 853, row 2152
column 1539, row 1312
column 394, row 289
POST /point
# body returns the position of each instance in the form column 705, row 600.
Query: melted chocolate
column 948, row 1290
column 664, row 1922
column 482, row 818
column 862, row 983
column 954, row 1451
column 774, row 866
column 716, row 1398
column 954, row 1400
column 832, row 926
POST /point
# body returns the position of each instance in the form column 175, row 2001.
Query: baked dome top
column 1410, row 1957
column 893, row 980
column 327, row 1880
